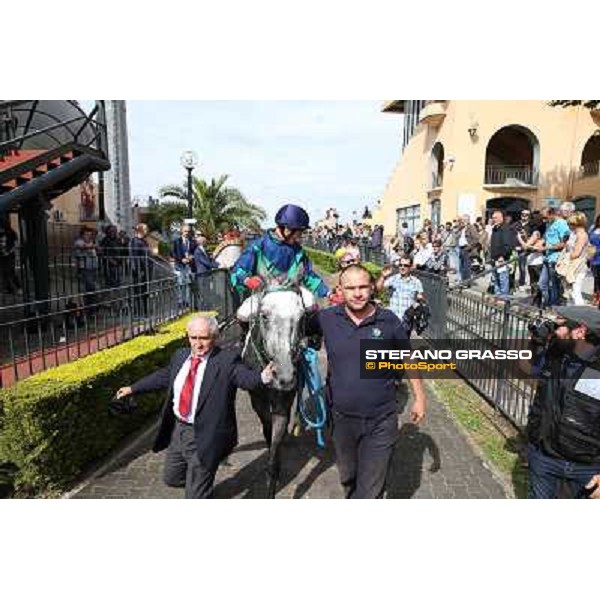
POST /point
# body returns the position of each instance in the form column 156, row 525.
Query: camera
column 417, row 315
column 541, row 329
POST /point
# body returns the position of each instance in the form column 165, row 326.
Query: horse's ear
column 248, row 309
column 307, row 298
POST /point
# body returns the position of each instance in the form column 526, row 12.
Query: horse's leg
column 262, row 407
column 280, row 418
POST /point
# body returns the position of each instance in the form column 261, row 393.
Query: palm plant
column 166, row 216
column 217, row 207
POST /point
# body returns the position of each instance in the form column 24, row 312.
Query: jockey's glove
column 253, row 283
column 336, row 298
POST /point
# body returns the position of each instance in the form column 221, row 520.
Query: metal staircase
column 47, row 147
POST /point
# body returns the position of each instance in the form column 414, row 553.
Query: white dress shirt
column 180, row 382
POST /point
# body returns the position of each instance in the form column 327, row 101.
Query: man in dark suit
column 198, row 424
column 183, row 249
column 182, row 254
column 204, row 264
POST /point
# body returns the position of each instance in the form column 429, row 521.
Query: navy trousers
column 363, row 448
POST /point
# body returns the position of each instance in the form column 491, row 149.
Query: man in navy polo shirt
column 364, row 411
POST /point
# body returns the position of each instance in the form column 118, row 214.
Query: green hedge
column 55, row 424
column 326, row 262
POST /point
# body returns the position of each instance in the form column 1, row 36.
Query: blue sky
column 315, row 153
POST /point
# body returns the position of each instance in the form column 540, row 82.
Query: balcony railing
column 88, row 213
column 591, row 169
column 437, row 180
column 511, row 175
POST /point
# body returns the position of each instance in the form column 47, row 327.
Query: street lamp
column 189, row 160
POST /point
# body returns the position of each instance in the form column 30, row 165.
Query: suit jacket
column 204, row 263
column 215, row 425
column 502, row 242
column 178, row 251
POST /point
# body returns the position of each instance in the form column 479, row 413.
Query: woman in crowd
column 574, row 259
column 595, row 260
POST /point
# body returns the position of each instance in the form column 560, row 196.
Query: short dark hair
column 356, row 267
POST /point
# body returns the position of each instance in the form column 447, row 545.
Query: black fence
column 79, row 280
column 459, row 316
column 61, row 330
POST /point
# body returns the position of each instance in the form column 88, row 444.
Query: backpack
column 564, row 419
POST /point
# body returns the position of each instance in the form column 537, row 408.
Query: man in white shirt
column 198, row 425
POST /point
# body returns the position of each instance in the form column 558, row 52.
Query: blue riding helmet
column 292, row 217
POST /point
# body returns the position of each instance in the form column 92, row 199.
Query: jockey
column 278, row 256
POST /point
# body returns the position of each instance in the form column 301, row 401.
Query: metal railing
column 86, row 130
column 508, row 175
column 591, row 169
column 458, row 317
column 437, row 180
column 65, row 331
column 81, row 280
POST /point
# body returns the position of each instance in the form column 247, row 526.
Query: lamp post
column 189, row 160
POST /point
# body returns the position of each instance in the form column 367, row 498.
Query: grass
column 501, row 444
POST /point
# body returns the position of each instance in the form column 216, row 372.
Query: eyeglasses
column 407, row 265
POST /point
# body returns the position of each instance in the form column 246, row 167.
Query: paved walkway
column 433, row 461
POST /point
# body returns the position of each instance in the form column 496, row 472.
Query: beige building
column 473, row 156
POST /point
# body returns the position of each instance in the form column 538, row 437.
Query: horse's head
column 279, row 313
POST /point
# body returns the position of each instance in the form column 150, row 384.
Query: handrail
column 42, row 131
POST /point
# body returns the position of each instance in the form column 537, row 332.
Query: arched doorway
column 586, row 205
column 437, row 165
column 512, row 157
column 590, row 158
column 509, row 205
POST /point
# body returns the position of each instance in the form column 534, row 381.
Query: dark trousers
column 464, row 263
column 546, row 473
column 596, row 273
column 363, row 449
column 183, row 467
column 522, row 268
column 87, row 285
column 534, row 278
column 8, row 274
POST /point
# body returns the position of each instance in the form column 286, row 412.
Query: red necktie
column 185, row 399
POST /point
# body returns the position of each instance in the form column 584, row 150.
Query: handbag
column 569, row 268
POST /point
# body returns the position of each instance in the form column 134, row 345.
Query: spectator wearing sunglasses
column 405, row 288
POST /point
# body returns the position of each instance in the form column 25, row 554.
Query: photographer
column 563, row 427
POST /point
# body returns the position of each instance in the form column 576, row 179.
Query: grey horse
column 275, row 318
